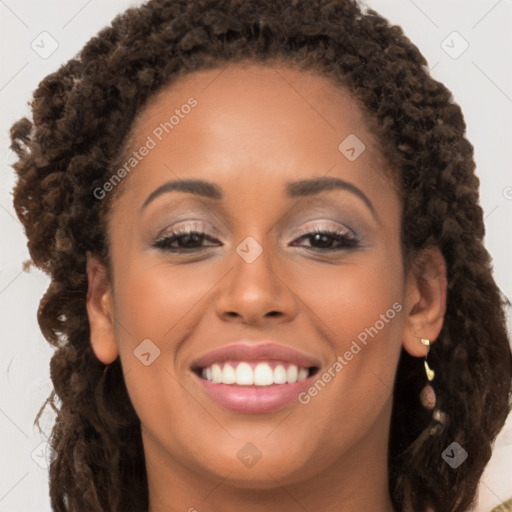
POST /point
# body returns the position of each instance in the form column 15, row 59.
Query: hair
column 83, row 113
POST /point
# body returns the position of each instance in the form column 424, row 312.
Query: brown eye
column 323, row 239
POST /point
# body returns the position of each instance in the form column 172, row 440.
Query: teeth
column 228, row 374
column 244, row 375
column 303, row 374
column 260, row 374
column 216, row 373
column 263, row 375
column 280, row 376
column 292, row 373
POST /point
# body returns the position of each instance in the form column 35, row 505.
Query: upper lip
column 250, row 351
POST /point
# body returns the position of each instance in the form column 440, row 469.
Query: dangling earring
column 430, row 373
column 428, row 395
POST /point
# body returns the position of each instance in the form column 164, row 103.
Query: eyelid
column 327, row 225
column 188, row 225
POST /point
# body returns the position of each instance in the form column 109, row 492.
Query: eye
column 185, row 239
column 322, row 239
column 191, row 239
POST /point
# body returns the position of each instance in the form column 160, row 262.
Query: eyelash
column 346, row 240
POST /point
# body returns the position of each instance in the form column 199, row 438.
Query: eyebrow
column 294, row 189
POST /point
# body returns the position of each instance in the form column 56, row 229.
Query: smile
column 254, row 377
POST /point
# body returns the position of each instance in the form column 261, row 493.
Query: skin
column 253, row 130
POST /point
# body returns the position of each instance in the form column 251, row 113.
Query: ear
column 425, row 301
column 100, row 310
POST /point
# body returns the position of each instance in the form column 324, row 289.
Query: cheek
column 153, row 301
column 358, row 308
column 349, row 298
column 159, row 303
column 156, row 306
column 355, row 390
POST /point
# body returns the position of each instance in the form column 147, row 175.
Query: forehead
column 265, row 119
column 249, row 88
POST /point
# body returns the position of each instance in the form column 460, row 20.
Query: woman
column 269, row 288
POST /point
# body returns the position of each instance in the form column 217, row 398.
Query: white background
column 480, row 79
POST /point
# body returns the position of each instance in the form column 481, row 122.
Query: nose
column 256, row 290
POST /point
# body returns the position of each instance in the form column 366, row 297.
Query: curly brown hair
column 82, row 116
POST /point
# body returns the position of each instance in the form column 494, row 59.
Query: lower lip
column 253, row 399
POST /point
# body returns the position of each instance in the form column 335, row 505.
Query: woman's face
column 334, row 305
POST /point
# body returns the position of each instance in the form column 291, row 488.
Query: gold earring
column 430, row 373
column 428, row 396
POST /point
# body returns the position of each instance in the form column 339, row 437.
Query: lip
column 254, row 399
